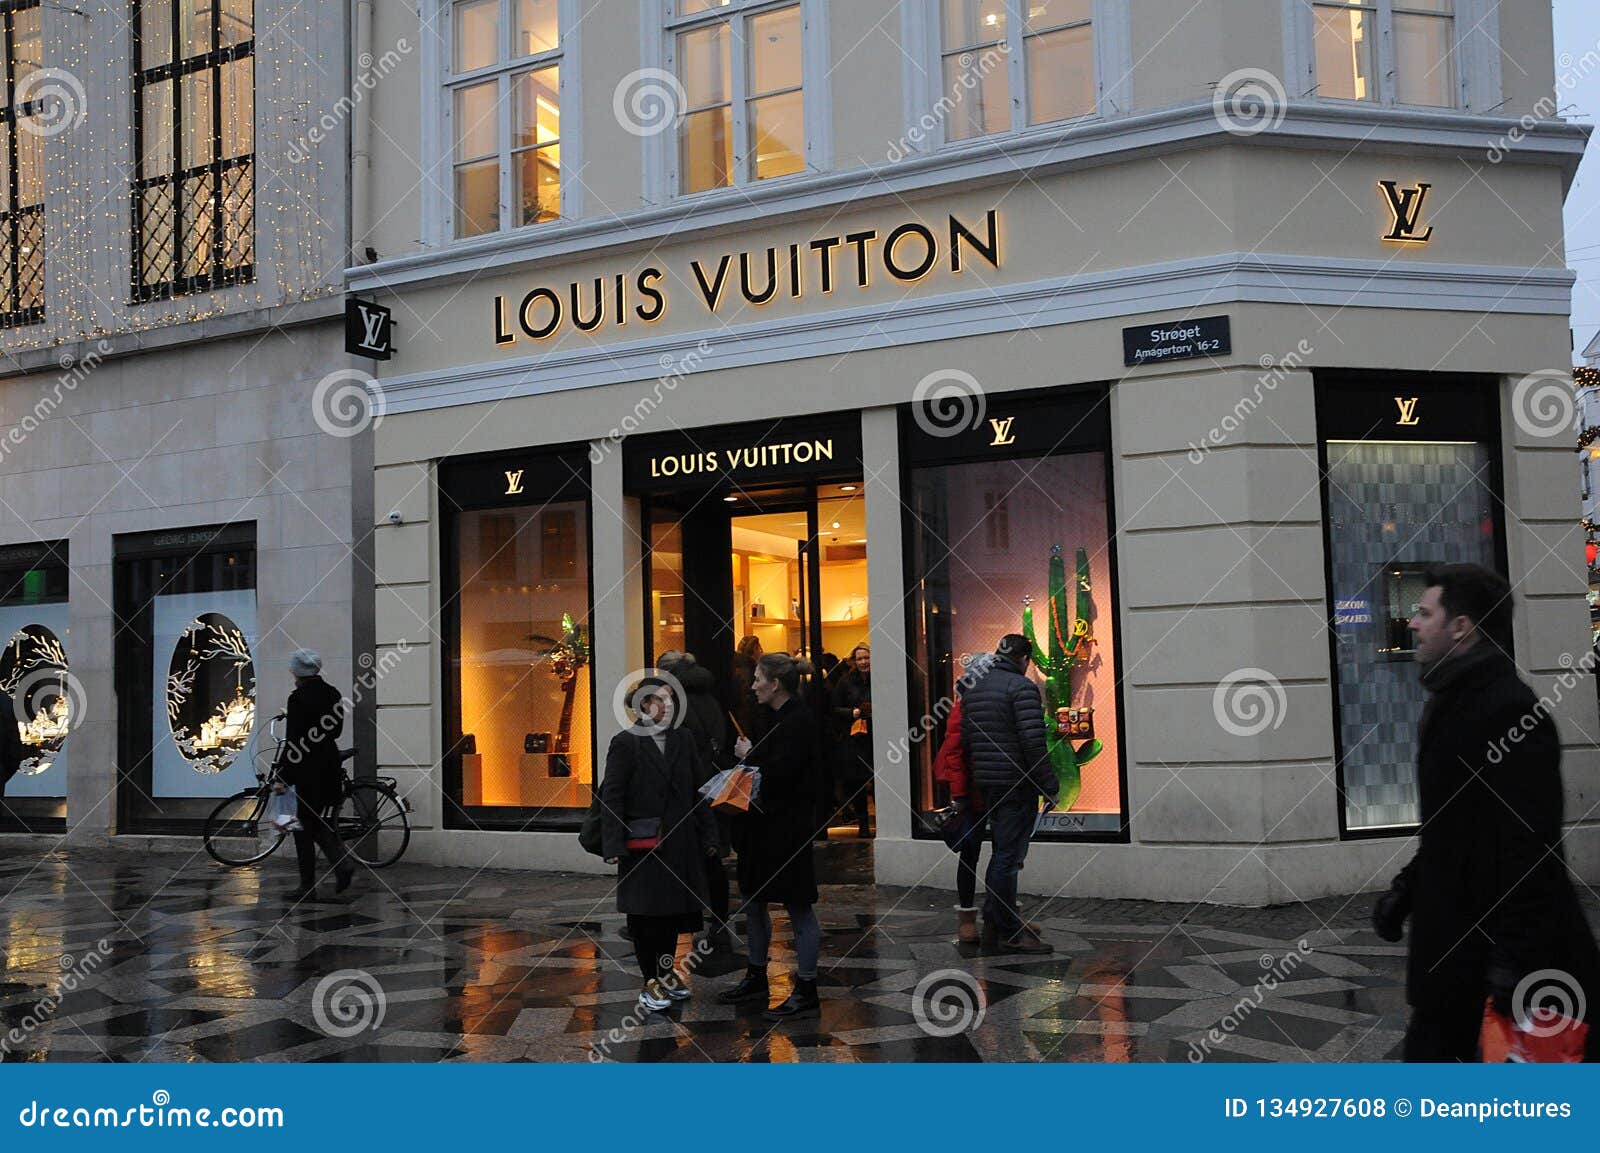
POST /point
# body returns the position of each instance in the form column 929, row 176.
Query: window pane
column 1422, row 60
column 666, row 587
column 538, row 108
column 705, row 66
column 1425, row 5
column 238, row 108
column 538, row 173
column 155, row 33
column 29, row 43
column 777, row 135
column 478, row 198
column 1393, row 508
column 536, row 27
column 197, row 126
column 690, row 7
column 979, row 93
column 477, row 34
column 1061, row 74
column 194, row 25
column 521, row 656
column 30, row 166
column 477, row 129
column 1346, row 62
column 199, row 219
column 706, row 150
column 969, row 22
column 775, row 51
column 5, row 169
column 158, row 129
column 1040, row 14
column 238, row 21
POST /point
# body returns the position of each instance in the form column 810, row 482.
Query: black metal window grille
column 21, row 168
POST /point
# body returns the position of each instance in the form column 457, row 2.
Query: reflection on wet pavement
column 164, row 957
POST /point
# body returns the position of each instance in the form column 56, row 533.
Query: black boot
column 752, row 988
column 803, row 1002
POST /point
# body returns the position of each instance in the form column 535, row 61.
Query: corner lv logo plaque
column 1405, row 206
column 514, row 482
column 1408, row 410
column 1002, row 431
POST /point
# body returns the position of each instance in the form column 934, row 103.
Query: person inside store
column 1003, row 735
column 746, row 711
column 851, row 710
column 656, row 832
column 310, row 762
column 1494, row 915
column 705, row 721
column 774, row 839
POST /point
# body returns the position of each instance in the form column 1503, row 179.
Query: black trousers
column 316, row 831
column 1445, row 1032
column 717, row 891
column 655, row 940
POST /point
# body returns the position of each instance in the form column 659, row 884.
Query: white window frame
column 662, row 178
column 440, row 83
column 923, row 24
column 1475, row 55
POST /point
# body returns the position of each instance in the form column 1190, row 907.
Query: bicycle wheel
column 373, row 824
column 237, row 834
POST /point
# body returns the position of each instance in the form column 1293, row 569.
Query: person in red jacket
column 950, row 766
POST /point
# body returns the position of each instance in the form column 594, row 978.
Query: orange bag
column 735, row 795
column 1552, row 1039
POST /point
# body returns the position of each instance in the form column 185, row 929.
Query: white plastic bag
column 283, row 811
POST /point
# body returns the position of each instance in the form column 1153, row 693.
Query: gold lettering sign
column 736, row 460
column 514, row 482
column 1405, row 206
column 1408, row 410
column 1002, row 431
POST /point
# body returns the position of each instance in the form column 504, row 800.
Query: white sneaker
column 678, row 991
column 653, row 998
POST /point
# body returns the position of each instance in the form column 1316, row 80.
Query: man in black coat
column 310, row 762
column 11, row 748
column 1002, row 730
column 1492, row 907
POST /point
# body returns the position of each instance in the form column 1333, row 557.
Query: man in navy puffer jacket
column 1002, row 729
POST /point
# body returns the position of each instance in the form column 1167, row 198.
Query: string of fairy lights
column 90, row 167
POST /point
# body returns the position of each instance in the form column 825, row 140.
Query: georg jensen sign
column 731, row 280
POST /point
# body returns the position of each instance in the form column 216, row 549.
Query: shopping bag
column 712, row 789
column 283, row 811
column 737, row 794
column 1550, row 1038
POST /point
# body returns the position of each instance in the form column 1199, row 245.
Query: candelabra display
column 33, row 671
column 211, row 693
column 1069, row 646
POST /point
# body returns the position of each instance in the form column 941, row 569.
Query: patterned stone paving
column 202, row 963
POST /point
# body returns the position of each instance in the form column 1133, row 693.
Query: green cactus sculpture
column 1069, row 647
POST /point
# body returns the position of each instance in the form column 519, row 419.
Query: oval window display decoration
column 33, row 672
column 211, row 693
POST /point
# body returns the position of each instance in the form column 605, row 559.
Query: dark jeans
column 316, row 830
column 717, row 891
column 1011, row 821
column 655, row 940
column 807, row 937
column 967, row 865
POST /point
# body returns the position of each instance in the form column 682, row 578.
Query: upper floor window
column 742, row 67
column 1386, row 51
column 504, row 109
column 21, row 167
column 1008, row 64
column 194, row 145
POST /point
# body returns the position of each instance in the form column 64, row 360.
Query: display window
column 1009, row 531
column 35, row 673
column 1411, row 479
column 519, row 689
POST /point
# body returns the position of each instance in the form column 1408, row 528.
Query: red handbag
column 1549, row 1039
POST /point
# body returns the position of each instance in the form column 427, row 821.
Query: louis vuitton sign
column 744, row 454
column 726, row 282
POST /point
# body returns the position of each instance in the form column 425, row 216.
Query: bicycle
column 371, row 818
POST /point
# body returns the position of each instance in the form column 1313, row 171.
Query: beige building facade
column 1186, row 335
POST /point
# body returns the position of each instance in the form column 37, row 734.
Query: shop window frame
column 1478, row 420
column 552, row 474
column 53, row 557
column 19, row 223
column 1086, row 411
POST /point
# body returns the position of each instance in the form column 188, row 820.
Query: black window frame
column 218, row 274
column 14, row 217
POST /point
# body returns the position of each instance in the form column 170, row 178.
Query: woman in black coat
column 314, row 718
column 705, row 720
column 648, row 794
column 774, row 838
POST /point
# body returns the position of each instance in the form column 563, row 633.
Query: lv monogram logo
column 1408, row 410
column 1405, row 205
column 514, row 482
column 372, row 328
column 1002, row 431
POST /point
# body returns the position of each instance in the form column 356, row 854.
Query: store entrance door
column 779, row 569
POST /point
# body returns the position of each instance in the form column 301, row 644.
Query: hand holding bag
column 283, row 811
column 738, row 792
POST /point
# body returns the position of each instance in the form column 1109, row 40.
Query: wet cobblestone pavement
column 202, row 963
